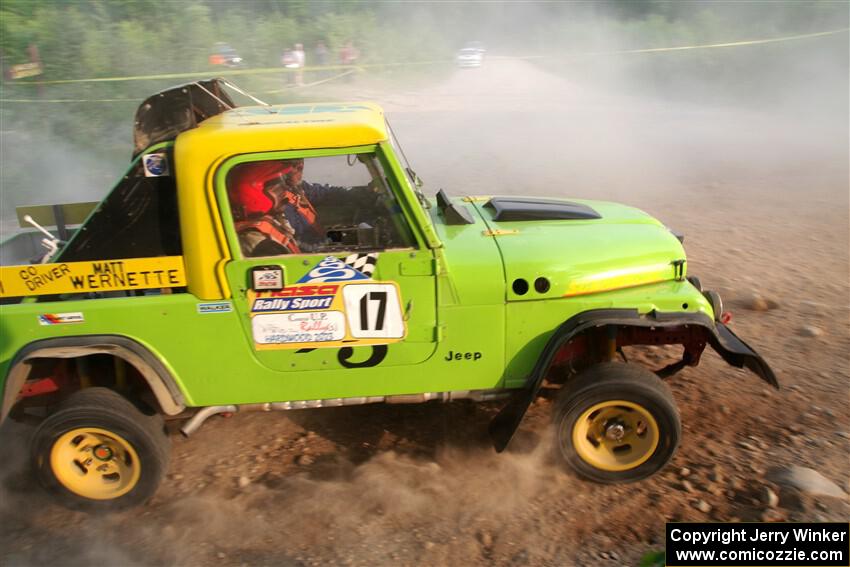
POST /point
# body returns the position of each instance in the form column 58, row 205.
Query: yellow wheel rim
column 95, row 463
column 615, row 435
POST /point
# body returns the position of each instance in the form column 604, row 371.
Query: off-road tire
column 608, row 383
column 101, row 409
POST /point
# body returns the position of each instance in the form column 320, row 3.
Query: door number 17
column 373, row 311
column 381, row 298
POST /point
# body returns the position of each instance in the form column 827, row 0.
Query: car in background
column 469, row 57
column 225, row 55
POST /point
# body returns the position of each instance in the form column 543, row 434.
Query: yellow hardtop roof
column 294, row 126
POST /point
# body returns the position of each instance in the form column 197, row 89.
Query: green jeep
column 173, row 299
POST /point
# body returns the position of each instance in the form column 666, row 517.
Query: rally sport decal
column 335, row 304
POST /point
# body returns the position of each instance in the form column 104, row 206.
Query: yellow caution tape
column 277, row 70
column 313, row 84
column 94, row 276
column 138, row 100
column 201, row 74
column 135, row 100
column 716, row 45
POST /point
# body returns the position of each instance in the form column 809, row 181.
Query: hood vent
column 523, row 209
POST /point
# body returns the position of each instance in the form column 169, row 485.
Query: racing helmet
column 257, row 188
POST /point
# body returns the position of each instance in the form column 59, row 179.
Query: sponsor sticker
column 311, row 302
column 336, row 303
column 156, row 165
column 299, row 328
column 215, row 307
column 60, row 318
column 361, row 312
column 332, row 269
column 364, row 263
column 267, row 277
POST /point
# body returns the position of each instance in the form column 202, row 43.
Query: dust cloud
column 394, row 505
column 522, row 128
column 37, row 168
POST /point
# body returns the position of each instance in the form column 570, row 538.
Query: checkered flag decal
column 363, row 263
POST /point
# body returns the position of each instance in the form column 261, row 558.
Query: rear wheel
column 616, row 423
column 99, row 452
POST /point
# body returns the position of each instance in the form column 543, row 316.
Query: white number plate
column 373, row 311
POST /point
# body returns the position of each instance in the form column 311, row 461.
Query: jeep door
column 327, row 270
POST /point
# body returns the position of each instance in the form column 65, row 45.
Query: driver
column 273, row 208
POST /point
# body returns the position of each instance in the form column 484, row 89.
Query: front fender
column 732, row 349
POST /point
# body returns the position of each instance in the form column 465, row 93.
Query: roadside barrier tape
column 278, row 70
column 138, row 100
column 305, row 85
column 717, row 45
column 203, row 74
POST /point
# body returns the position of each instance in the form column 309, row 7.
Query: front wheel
column 99, row 452
column 616, row 423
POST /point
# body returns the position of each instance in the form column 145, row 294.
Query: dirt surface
column 762, row 198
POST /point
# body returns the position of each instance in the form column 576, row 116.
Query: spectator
column 300, row 58
column 348, row 56
column 321, row 54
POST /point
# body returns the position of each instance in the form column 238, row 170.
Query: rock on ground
column 806, row 480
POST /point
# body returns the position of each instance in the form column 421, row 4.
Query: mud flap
column 504, row 425
column 739, row 354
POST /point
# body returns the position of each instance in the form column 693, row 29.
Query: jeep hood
column 577, row 247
